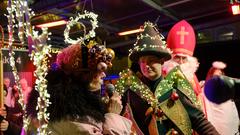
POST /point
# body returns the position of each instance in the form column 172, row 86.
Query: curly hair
column 77, row 58
column 71, row 99
column 69, row 82
column 70, row 59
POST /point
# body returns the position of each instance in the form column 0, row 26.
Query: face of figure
column 98, row 77
column 7, row 82
column 23, row 83
column 151, row 66
column 180, row 59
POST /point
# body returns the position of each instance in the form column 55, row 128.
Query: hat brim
column 161, row 55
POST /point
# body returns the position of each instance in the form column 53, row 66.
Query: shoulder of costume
column 175, row 79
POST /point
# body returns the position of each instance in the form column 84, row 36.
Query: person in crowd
column 8, row 101
column 224, row 114
column 74, row 83
column 171, row 109
column 7, row 126
column 7, row 82
column 26, row 89
column 15, row 111
column 181, row 40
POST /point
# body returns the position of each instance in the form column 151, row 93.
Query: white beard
column 189, row 68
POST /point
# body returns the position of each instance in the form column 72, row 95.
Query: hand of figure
column 3, row 112
column 4, row 125
column 115, row 104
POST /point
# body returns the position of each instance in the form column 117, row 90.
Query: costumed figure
column 224, row 115
column 181, row 40
column 74, row 83
column 157, row 105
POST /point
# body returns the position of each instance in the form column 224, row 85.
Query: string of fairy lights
column 143, row 35
column 11, row 24
column 39, row 56
column 73, row 21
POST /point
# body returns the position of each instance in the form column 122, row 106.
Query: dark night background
column 226, row 51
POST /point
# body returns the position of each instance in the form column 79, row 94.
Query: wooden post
column 1, row 80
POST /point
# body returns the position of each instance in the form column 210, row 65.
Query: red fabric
column 197, row 88
column 199, row 93
column 181, row 38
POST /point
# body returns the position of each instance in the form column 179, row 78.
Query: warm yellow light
column 130, row 32
column 52, row 24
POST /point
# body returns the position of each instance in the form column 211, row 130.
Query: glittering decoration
column 19, row 12
column 99, row 53
column 174, row 80
column 149, row 37
column 39, row 56
column 130, row 81
column 11, row 9
column 90, row 34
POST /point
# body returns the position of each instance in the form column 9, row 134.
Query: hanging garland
column 72, row 22
column 11, row 20
column 39, row 57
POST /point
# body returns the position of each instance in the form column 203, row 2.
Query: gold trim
column 183, row 51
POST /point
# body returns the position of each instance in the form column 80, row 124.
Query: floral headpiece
column 77, row 58
column 98, row 53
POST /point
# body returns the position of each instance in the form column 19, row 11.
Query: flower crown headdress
column 82, row 57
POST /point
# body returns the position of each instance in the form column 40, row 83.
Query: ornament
column 174, row 132
column 174, row 96
column 111, row 52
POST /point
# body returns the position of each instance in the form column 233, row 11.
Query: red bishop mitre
column 181, row 38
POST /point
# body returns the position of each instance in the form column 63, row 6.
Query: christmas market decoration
column 19, row 12
column 74, row 21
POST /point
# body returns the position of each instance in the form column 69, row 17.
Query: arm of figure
column 9, row 97
column 198, row 120
column 116, row 124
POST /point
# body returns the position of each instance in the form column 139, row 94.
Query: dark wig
column 71, row 99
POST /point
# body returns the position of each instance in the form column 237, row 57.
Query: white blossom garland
column 72, row 22
column 39, row 57
column 11, row 20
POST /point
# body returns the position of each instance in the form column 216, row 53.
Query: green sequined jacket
column 176, row 111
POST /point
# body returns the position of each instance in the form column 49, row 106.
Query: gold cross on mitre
column 182, row 33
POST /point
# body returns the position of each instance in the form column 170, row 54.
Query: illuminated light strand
column 90, row 34
column 147, row 36
column 38, row 55
column 11, row 20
